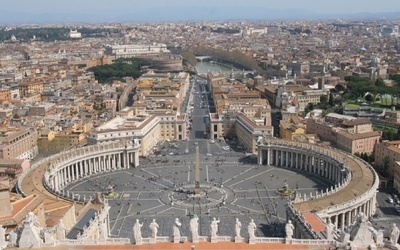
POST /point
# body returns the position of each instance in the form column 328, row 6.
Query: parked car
column 390, row 200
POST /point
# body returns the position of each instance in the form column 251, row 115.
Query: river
column 205, row 67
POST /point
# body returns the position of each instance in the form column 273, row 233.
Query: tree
column 369, row 98
column 330, row 99
column 339, row 87
column 310, row 107
column 395, row 78
column 380, row 83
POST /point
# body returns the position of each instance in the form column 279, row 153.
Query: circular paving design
column 231, row 187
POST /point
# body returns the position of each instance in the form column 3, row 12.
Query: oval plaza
column 353, row 183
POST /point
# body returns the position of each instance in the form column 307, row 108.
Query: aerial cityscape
column 200, row 125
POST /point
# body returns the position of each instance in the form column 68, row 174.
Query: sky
column 181, row 10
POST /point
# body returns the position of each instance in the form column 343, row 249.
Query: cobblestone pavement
column 233, row 187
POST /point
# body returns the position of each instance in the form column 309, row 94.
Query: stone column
column 118, row 166
column 69, row 173
column 287, row 159
column 136, row 163
column 90, row 166
column 73, row 171
column 342, row 221
column 108, row 162
column 56, row 181
column 269, row 155
column 64, row 170
column 260, row 160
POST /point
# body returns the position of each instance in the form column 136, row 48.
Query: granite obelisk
column 197, row 172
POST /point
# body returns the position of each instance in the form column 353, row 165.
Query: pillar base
column 238, row 239
column 252, row 241
column 177, row 239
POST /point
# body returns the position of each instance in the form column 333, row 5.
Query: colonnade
column 77, row 164
column 333, row 165
column 308, row 161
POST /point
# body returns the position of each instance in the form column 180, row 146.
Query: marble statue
column 154, row 228
column 289, row 230
column 12, row 237
column 194, row 227
column 238, row 227
column 49, row 236
column 330, row 227
column 30, row 235
column 251, row 228
column 60, row 230
column 2, row 235
column 103, row 230
column 136, row 143
column 176, row 228
column 394, row 234
column 214, row 227
column 137, row 233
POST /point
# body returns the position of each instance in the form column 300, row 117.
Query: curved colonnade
column 354, row 182
column 73, row 165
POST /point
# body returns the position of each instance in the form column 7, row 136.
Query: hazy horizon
column 75, row 11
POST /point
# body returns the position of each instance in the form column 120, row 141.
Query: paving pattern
column 232, row 187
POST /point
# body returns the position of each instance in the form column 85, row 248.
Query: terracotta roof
column 356, row 122
column 20, row 209
column 314, row 221
column 359, row 135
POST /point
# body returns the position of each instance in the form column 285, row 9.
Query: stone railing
column 296, row 216
column 88, row 242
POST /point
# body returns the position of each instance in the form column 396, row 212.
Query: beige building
column 30, row 88
column 222, row 125
column 387, row 153
column 347, row 133
column 5, row 95
column 249, row 130
column 18, row 143
column 164, row 91
column 392, row 116
column 291, row 128
column 147, row 129
column 396, row 176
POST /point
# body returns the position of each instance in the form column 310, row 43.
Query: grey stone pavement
column 249, row 191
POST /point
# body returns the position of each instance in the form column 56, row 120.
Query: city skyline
column 74, row 11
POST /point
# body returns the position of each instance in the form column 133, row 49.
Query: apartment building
column 291, row 128
column 387, row 157
column 132, row 50
column 222, row 124
column 162, row 90
column 18, row 143
column 5, row 95
column 347, row 133
column 29, row 88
